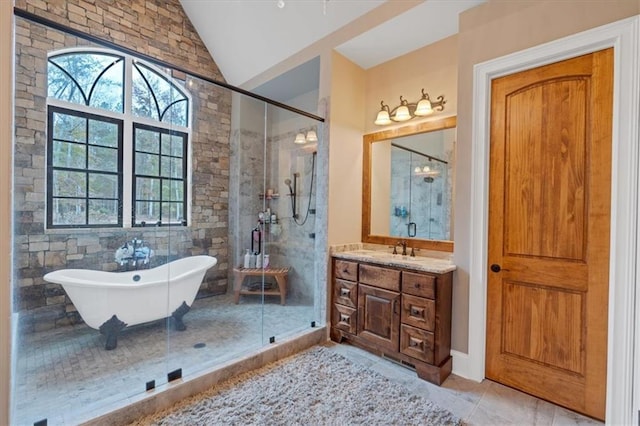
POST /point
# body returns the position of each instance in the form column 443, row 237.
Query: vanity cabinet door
column 380, row 277
column 422, row 285
column 419, row 312
column 417, row 343
column 345, row 270
column 379, row 316
column 344, row 318
column 345, row 293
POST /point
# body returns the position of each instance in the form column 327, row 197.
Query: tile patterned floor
column 67, row 370
column 65, row 373
column 487, row 403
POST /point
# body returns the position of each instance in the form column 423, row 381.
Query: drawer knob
column 414, row 343
column 344, row 318
column 416, row 312
column 417, row 285
column 344, row 292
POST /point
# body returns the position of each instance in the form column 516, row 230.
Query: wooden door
column 379, row 316
column 549, row 219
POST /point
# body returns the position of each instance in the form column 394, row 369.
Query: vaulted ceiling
column 248, row 37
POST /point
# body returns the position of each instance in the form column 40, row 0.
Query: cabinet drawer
column 344, row 318
column 422, row 285
column 417, row 343
column 419, row 312
column 345, row 270
column 380, row 277
column 345, row 293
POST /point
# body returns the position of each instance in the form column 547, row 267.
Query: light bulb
column 402, row 114
column 383, row 118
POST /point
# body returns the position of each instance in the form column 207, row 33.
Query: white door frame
column 624, row 37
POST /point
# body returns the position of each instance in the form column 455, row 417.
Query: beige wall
column 433, row 68
column 345, row 150
column 6, row 78
column 489, row 31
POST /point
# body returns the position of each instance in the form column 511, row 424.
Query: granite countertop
column 418, row 263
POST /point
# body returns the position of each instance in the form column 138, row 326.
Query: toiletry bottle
column 265, row 262
column 247, row 259
column 259, row 261
column 252, row 262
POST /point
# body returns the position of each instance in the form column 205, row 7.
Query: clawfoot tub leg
column 111, row 329
column 177, row 316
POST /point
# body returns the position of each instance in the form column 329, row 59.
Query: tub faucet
column 133, row 253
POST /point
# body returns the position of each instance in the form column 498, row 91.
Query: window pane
column 147, row 189
column 69, row 155
column 107, row 92
column 68, row 212
column 172, row 190
column 103, row 133
column 176, row 114
column 147, row 211
column 147, row 164
column 69, row 127
column 147, row 141
column 103, row 212
column 172, row 145
column 165, row 94
column 60, row 86
column 171, row 212
column 103, row 186
column 142, row 102
column 69, row 184
column 85, row 69
column 103, row 159
column 171, row 167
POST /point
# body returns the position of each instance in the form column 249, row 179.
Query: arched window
column 118, row 132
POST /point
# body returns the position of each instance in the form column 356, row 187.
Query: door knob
column 495, row 268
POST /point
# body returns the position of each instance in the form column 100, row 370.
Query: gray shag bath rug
column 315, row 387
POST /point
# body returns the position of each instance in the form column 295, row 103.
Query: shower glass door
column 290, row 225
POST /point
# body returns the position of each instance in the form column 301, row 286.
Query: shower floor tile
column 67, row 370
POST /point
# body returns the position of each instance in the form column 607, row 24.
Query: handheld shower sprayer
column 292, row 193
column 288, row 183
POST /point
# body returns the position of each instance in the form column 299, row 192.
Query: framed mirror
column 407, row 185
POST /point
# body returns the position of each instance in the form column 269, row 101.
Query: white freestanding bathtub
column 110, row 301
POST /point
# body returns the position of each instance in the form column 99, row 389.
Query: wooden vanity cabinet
column 401, row 314
column 379, row 306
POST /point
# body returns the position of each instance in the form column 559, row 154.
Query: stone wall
column 37, row 250
column 158, row 28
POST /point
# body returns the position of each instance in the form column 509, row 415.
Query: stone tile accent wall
column 158, row 28
column 37, row 251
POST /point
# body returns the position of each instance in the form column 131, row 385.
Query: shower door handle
column 412, row 226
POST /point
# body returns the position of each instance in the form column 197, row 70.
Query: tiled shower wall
column 156, row 28
column 288, row 244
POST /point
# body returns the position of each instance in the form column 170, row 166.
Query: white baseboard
column 461, row 365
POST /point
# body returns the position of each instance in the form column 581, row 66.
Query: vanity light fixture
column 302, row 139
column 408, row 110
column 426, row 171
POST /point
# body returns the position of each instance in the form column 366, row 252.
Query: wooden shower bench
column 280, row 275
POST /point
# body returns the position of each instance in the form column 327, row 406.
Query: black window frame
column 51, row 110
column 135, row 175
